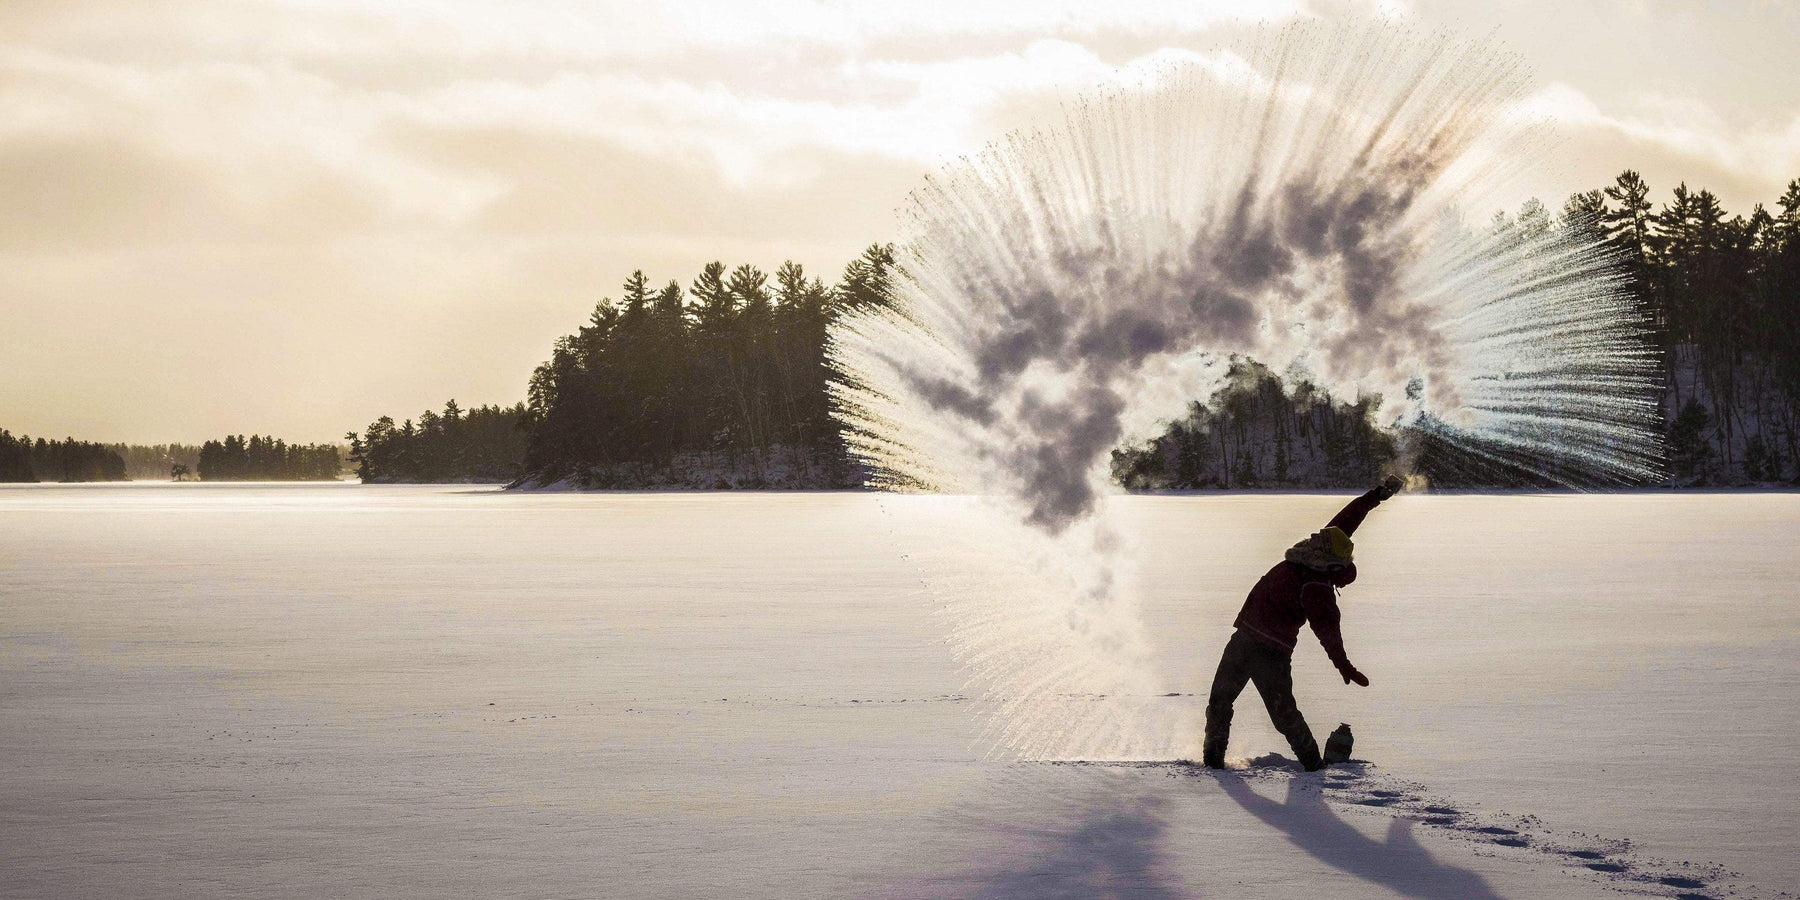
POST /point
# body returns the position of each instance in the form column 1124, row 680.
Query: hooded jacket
column 1292, row 594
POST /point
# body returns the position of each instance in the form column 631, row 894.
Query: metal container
column 1337, row 747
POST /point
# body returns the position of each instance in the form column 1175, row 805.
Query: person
column 1300, row 589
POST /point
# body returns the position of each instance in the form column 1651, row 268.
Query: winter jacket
column 1292, row 594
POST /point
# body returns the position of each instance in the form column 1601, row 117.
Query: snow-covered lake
column 353, row 691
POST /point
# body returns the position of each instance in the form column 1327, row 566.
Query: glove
column 1350, row 674
column 1390, row 486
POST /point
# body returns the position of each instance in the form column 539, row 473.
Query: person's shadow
column 1399, row 863
column 1115, row 851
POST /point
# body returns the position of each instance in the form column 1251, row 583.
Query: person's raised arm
column 1356, row 510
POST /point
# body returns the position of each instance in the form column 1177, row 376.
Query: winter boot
column 1308, row 754
column 1213, row 755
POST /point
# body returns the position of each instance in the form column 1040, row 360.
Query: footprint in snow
column 1364, row 786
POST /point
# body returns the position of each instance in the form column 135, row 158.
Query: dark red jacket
column 1292, row 594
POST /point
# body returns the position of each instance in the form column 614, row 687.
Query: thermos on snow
column 1337, row 747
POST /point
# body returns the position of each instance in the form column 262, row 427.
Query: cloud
column 60, row 193
column 347, row 146
column 108, row 195
column 1670, row 140
column 552, row 182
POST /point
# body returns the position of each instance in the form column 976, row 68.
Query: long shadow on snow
column 1399, row 863
column 1091, row 832
column 1112, row 851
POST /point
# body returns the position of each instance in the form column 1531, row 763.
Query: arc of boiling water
column 1295, row 202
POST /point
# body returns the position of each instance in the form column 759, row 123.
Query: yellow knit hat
column 1339, row 542
column 1327, row 549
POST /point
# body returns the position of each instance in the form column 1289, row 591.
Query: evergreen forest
column 154, row 462
column 486, row 443
column 722, row 383
column 717, row 385
column 261, row 458
column 24, row 459
column 1723, row 294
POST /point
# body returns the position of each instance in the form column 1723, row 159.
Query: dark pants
column 1247, row 659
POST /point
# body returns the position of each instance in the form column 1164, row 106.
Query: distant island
column 721, row 386
column 267, row 459
column 24, row 459
column 234, row 458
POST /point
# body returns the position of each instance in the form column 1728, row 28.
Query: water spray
column 1298, row 200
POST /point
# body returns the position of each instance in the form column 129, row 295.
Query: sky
column 290, row 217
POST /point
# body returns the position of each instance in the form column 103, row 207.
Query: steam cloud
column 1294, row 201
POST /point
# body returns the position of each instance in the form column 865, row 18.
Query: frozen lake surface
column 356, row 691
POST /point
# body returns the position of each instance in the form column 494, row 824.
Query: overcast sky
column 292, row 216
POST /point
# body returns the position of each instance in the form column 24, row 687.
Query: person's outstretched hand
column 1390, row 486
column 1351, row 674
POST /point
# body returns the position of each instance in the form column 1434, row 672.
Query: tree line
column 719, row 384
column 261, row 458
column 1724, row 294
column 723, row 383
column 1259, row 431
column 157, row 461
column 486, row 443
column 235, row 458
column 23, row 459
column 1725, row 291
